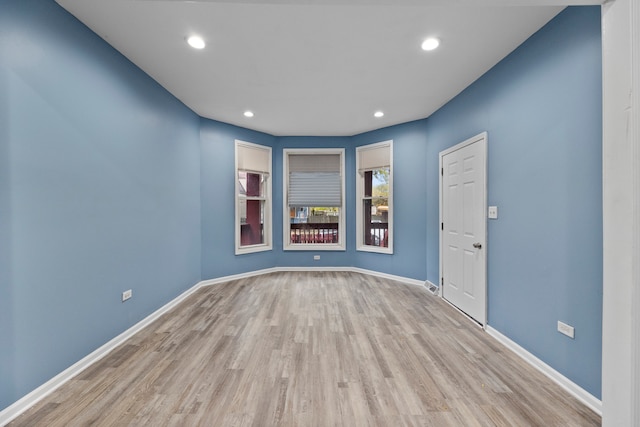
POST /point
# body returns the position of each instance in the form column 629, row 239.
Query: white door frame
column 478, row 138
column 621, row 213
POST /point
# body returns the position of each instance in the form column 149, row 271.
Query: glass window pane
column 314, row 225
column 242, row 180
column 254, row 184
column 380, row 182
column 252, row 223
column 376, row 221
column 251, row 184
column 375, row 207
column 368, row 183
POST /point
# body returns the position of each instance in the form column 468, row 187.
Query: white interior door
column 463, row 226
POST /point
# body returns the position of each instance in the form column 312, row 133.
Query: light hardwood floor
column 311, row 349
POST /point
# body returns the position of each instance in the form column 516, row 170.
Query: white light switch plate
column 493, row 212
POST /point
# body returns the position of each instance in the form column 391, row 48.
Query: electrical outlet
column 126, row 295
column 568, row 330
column 316, row 257
column 493, row 212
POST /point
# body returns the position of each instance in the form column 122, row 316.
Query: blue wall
column 100, row 193
column 304, row 258
column 409, row 201
column 218, row 259
column 107, row 183
column 542, row 108
column 218, row 198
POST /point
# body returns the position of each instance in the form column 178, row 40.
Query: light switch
column 493, row 212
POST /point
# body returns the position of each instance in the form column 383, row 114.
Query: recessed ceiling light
column 430, row 43
column 248, row 113
column 378, row 114
column 196, row 42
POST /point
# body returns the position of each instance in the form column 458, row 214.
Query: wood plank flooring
column 311, row 349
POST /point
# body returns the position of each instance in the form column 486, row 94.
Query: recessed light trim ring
column 430, row 43
column 196, row 42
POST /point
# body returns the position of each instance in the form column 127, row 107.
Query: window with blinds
column 253, row 197
column 314, row 199
column 374, row 188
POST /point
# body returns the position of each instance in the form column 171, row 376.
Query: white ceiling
column 315, row 67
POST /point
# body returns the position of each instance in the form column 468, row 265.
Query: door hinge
column 442, row 171
column 442, row 226
column 442, row 281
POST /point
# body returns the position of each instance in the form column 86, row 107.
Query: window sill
column 313, row 247
column 253, row 249
column 375, row 249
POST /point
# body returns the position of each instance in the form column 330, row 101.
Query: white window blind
column 374, row 158
column 252, row 158
column 314, row 180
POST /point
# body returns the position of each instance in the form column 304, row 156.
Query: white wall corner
column 572, row 388
column 621, row 213
column 232, row 277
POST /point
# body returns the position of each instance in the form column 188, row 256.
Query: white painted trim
column 621, row 213
column 465, row 315
column 319, row 269
column 635, row 278
column 286, row 230
column 572, row 388
column 236, row 277
column 16, row 409
column 360, row 246
column 402, row 279
column 294, row 269
column 13, row 411
column 268, row 198
column 460, row 145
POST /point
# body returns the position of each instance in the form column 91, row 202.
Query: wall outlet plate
column 126, row 295
column 565, row 329
column 493, row 212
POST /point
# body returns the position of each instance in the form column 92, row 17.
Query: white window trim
column 360, row 246
column 286, row 233
column 268, row 241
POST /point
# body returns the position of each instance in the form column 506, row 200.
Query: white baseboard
column 281, row 269
column 285, row 269
column 13, row 411
column 223, row 279
column 389, row 276
column 575, row 390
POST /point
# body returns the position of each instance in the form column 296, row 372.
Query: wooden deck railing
column 314, row 233
column 376, row 233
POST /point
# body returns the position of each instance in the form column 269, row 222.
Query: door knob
column 477, row 245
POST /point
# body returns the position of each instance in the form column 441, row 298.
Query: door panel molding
column 480, row 243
